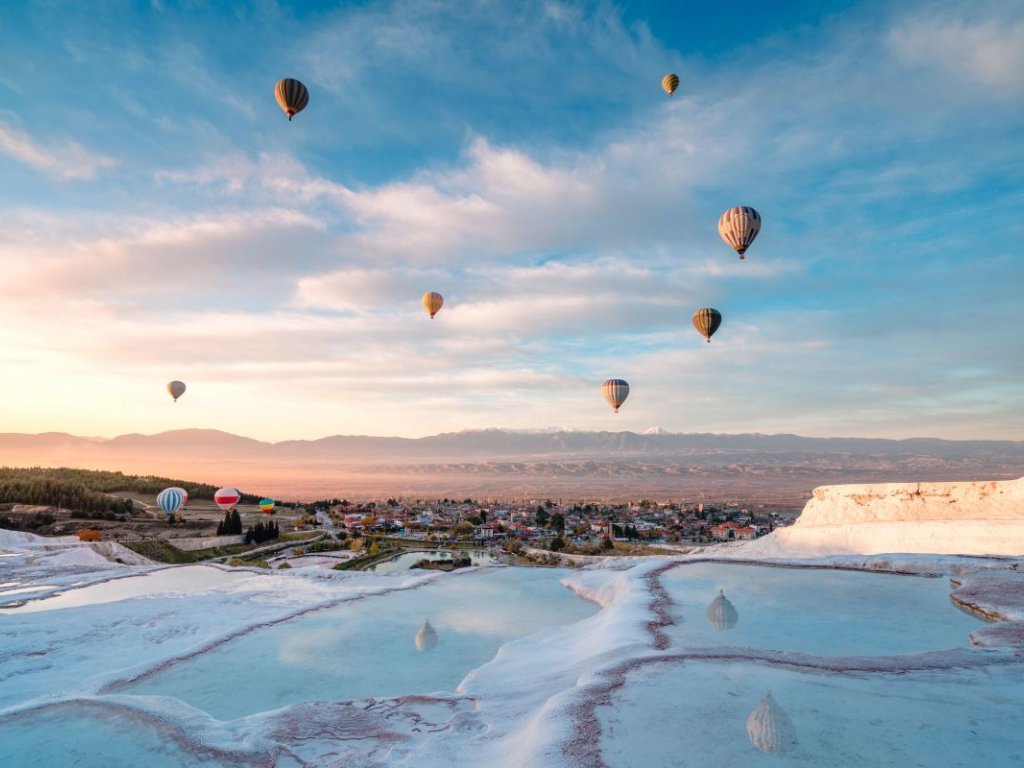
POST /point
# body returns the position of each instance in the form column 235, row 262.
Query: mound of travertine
column 968, row 518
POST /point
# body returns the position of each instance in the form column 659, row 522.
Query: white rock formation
column 967, row 518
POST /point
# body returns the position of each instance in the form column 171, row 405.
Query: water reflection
column 426, row 638
column 770, row 729
column 404, row 561
column 721, row 613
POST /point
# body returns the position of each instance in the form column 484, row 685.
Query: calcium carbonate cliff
column 968, row 518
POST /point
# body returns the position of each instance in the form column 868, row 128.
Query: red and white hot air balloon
column 227, row 498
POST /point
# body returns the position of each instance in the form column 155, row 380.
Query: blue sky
column 162, row 219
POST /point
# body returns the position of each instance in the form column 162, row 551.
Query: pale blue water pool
column 818, row 611
column 367, row 647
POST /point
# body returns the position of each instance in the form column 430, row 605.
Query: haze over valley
column 518, row 463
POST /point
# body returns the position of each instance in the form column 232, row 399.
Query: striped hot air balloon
column 292, row 96
column 615, row 391
column 432, row 302
column 176, row 389
column 267, row 506
column 170, row 500
column 706, row 321
column 227, row 498
column 739, row 226
column 670, row 82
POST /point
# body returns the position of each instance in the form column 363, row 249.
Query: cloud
column 67, row 160
column 176, row 262
column 987, row 53
column 568, row 252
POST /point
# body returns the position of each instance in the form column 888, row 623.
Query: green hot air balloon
column 706, row 321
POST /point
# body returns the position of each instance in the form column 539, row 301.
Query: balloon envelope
column 227, row 498
column 291, row 95
column 170, row 500
column 615, row 391
column 176, row 389
column 432, row 302
column 707, row 321
column 267, row 506
column 739, row 226
column 670, row 82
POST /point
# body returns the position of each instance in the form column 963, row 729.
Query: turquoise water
column 367, row 647
column 817, row 611
column 92, row 737
column 405, row 561
column 695, row 714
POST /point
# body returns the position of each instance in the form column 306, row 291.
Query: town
column 570, row 526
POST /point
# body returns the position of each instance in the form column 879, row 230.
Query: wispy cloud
column 66, row 159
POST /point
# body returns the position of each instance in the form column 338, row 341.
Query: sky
column 161, row 219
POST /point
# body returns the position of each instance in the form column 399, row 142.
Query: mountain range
column 513, row 463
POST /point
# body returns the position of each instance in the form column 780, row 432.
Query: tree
column 606, row 543
column 558, row 523
column 557, row 544
column 541, row 517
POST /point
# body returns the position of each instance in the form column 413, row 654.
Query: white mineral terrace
column 800, row 660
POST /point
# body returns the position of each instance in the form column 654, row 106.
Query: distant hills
column 497, row 462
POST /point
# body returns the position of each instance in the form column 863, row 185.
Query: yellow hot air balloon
column 739, row 226
column 670, row 82
column 432, row 302
column 706, row 321
column 292, row 96
column 176, row 388
column 615, row 392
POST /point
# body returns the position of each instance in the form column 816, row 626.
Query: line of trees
column 231, row 525
column 67, row 487
column 53, row 489
column 261, row 532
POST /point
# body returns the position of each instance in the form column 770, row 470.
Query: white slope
column 965, row 518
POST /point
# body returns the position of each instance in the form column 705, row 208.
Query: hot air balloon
column 426, row 638
column 267, row 506
column 170, row 500
column 176, row 388
column 670, row 82
column 706, row 321
column 432, row 302
column 227, row 498
column 292, row 96
column 615, row 392
column 722, row 613
column 739, row 226
column 770, row 729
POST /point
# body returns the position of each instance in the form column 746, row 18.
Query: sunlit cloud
column 67, row 159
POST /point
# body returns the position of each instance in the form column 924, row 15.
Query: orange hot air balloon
column 291, row 96
column 615, row 392
column 432, row 302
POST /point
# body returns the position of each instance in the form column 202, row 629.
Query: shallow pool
column 94, row 737
column 818, row 611
column 368, row 647
column 186, row 578
column 405, row 561
column 696, row 714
